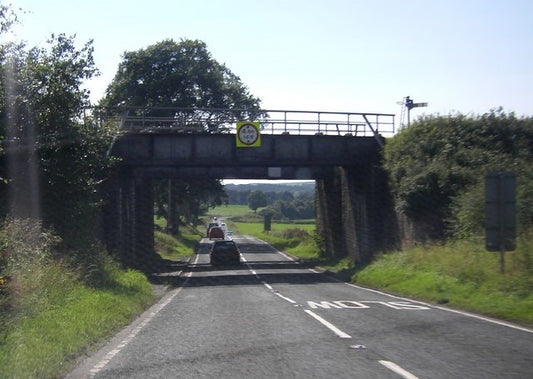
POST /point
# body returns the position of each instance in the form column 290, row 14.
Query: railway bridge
column 340, row 151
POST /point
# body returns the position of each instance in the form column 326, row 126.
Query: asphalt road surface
column 271, row 317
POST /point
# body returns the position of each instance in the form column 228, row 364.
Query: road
column 273, row 318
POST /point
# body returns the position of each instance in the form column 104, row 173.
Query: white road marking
column 285, row 298
column 398, row 370
column 463, row 313
column 98, row 367
column 110, row 355
column 328, row 324
column 362, row 304
column 324, row 322
column 266, row 284
column 287, row 256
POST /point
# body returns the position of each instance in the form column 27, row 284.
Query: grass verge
column 461, row 274
column 295, row 239
column 179, row 248
column 176, row 248
column 59, row 317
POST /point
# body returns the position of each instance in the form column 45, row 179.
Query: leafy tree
column 286, row 196
column 56, row 154
column 190, row 199
column 257, row 199
column 181, row 74
column 437, row 168
column 184, row 74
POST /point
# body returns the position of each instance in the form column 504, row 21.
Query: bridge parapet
column 213, row 120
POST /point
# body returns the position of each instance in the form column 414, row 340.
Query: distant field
column 244, row 214
column 256, row 229
column 230, row 211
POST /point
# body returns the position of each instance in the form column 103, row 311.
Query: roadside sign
column 248, row 134
column 500, row 211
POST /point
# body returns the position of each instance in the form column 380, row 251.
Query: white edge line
column 327, row 324
column 287, row 256
column 467, row 314
column 398, row 370
column 157, row 308
column 463, row 313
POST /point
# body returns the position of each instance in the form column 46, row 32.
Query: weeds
column 460, row 273
column 51, row 308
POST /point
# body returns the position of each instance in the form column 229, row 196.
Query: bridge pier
column 328, row 213
column 355, row 214
column 129, row 219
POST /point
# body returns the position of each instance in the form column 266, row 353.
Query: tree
column 257, row 199
column 185, row 75
column 56, row 155
column 181, row 74
column 437, row 168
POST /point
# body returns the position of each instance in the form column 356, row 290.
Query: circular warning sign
column 248, row 134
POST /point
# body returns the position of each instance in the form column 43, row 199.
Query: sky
column 464, row 56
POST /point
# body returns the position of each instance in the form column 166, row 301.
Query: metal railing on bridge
column 212, row 120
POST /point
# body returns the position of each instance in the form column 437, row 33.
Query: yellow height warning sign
column 248, row 134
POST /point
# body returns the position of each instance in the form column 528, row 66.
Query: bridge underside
column 354, row 211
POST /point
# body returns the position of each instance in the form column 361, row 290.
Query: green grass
column 171, row 247
column 53, row 311
column 175, row 248
column 295, row 239
column 62, row 317
column 257, row 228
column 461, row 274
column 230, row 211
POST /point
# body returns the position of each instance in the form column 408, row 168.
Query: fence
column 206, row 120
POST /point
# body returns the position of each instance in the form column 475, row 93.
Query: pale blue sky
column 334, row 55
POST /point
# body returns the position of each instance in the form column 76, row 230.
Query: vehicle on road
column 224, row 252
column 209, row 226
column 215, row 232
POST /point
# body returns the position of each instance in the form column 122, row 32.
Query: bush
column 24, row 244
column 437, row 168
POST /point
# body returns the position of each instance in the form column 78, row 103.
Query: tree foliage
column 56, row 153
column 185, row 75
column 257, row 199
column 176, row 74
column 282, row 205
column 437, row 168
column 190, row 198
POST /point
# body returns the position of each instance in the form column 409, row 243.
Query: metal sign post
column 500, row 213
